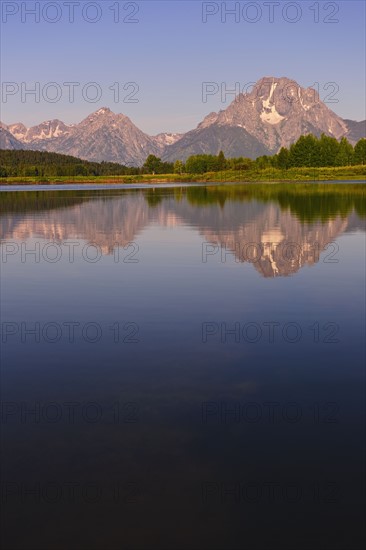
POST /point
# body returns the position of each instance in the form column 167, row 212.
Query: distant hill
column 356, row 130
column 42, row 163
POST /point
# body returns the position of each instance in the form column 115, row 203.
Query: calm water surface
column 183, row 368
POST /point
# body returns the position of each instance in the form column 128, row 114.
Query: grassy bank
column 356, row 173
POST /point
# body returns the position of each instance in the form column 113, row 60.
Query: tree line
column 23, row 163
column 310, row 151
column 307, row 151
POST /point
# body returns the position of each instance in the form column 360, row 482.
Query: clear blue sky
column 170, row 51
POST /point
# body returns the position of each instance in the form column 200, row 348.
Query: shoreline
column 24, row 182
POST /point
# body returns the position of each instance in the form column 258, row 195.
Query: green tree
column 283, row 158
column 196, row 164
column 240, row 163
column 152, row 164
column 328, row 149
column 221, row 161
column 305, row 152
column 360, row 152
column 178, row 167
column 263, row 162
column 345, row 153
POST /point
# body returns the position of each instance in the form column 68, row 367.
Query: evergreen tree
column 329, row 149
column 283, row 158
column 305, row 152
column 221, row 161
column 360, row 152
column 345, row 153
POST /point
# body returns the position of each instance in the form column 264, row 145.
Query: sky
column 151, row 59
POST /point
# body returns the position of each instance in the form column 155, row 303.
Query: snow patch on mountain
column 266, row 102
column 271, row 115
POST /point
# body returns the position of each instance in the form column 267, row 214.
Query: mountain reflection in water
column 276, row 229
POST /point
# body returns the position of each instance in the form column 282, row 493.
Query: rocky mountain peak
column 103, row 111
column 18, row 130
column 104, row 116
column 277, row 111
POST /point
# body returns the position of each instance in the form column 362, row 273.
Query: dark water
column 183, row 368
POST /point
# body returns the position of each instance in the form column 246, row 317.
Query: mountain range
column 274, row 114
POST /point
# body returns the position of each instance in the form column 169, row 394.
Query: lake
column 183, row 367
